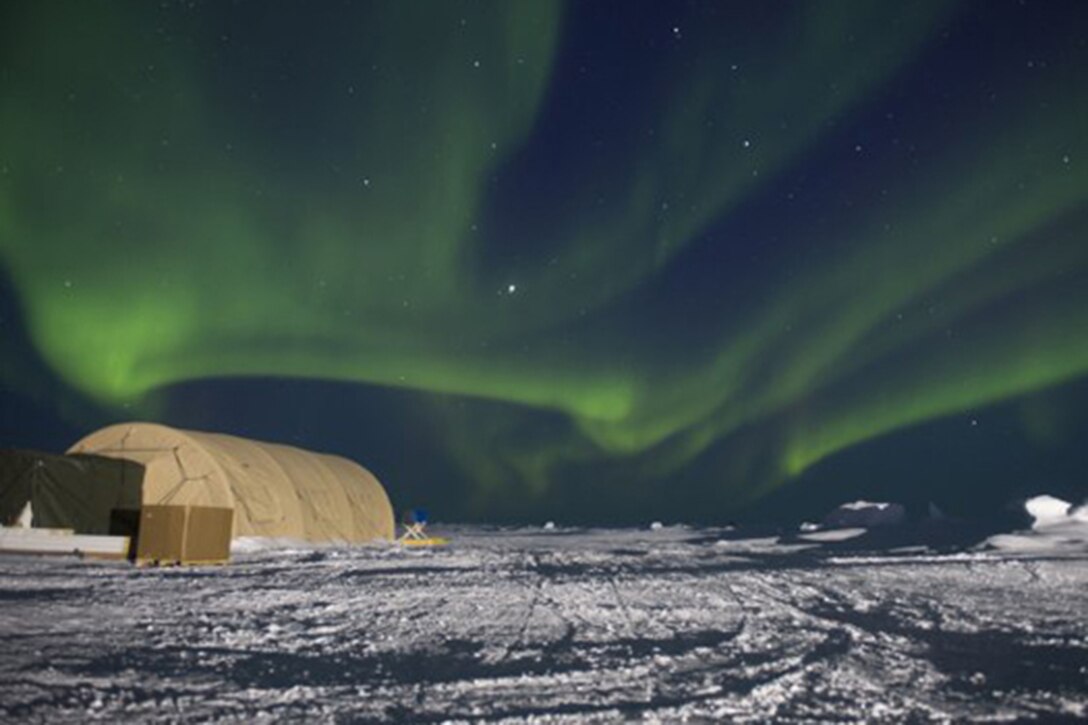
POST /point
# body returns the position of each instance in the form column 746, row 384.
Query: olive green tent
column 86, row 493
column 274, row 490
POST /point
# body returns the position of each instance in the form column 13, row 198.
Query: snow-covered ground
column 552, row 625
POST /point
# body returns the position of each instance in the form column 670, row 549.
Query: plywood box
column 184, row 534
column 208, row 534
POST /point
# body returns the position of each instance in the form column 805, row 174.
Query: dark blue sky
column 597, row 262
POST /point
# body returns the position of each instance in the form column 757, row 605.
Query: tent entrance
column 85, row 493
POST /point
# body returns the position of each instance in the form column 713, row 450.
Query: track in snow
column 584, row 625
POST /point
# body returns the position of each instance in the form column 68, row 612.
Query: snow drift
column 1057, row 525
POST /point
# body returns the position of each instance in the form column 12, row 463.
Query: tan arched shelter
column 275, row 490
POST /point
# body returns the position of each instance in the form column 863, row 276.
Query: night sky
column 593, row 262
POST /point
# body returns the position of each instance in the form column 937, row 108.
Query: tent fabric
column 275, row 490
column 16, row 469
column 67, row 492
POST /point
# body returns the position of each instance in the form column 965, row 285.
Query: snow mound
column 865, row 514
column 251, row 544
column 863, row 505
column 256, row 544
column 1058, row 526
column 1047, row 510
column 832, row 536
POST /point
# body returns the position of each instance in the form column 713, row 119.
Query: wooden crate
column 184, row 535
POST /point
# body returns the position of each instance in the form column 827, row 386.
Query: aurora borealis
column 608, row 259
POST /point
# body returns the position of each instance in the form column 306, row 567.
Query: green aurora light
column 159, row 227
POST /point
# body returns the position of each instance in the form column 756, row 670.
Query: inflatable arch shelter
column 185, row 495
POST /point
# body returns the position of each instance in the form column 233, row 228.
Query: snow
column 569, row 625
column 865, row 514
column 862, row 505
column 833, row 535
column 1047, row 510
column 1057, row 527
column 252, row 544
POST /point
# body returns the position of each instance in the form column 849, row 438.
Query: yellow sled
column 428, row 541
